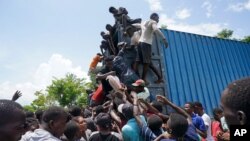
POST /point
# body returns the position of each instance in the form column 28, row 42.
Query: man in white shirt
column 52, row 127
column 207, row 120
column 145, row 42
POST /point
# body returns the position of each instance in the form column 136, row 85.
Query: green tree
column 246, row 39
column 68, row 91
column 225, row 34
column 29, row 108
column 40, row 101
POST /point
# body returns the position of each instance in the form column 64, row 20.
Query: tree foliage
column 66, row 91
column 41, row 102
column 246, row 39
column 225, row 34
column 29, row 108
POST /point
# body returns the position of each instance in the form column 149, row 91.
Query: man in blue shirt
column 197, row 120
column 131, row 131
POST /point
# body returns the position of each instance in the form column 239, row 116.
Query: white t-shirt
column 135, row 38
column 207, row 121
column 224, row 124
column 144, row 95
column 40, row 135
column 147, row 32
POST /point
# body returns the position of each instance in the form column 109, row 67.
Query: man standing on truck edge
column 144, row 49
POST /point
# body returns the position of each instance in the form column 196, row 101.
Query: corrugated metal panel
column 198, row 68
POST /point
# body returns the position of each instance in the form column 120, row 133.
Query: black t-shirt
column 123, row 71
column 99, row 137
column 105, row 84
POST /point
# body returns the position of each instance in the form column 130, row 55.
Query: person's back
column 97, row 136
column 40, row 135
column 130, row 131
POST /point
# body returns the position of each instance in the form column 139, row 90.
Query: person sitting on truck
column 107, row 37
column 106, row 71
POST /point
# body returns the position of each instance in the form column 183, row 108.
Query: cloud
column 57, row 66
column 183, row 13
column 209, row 29
column 155, row 5
column 238, row 7
column 208, row 6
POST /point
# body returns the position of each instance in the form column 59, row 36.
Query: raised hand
column 123, row 88
column 162, row 99
column 107, row 103
column 16, row 95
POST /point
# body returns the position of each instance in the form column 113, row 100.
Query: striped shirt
column 147, row 133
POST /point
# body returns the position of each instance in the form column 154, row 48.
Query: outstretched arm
column 136, row 109
column 137, row 25
column 154, row 110
column 164, row 100
column 157, row 31
column 180, row 111
column 101, row 76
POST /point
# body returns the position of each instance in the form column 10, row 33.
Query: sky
column 43, row 39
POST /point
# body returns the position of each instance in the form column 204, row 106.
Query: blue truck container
column 198, row 68
column 195, row 67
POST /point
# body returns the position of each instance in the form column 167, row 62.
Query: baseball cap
column 139, row 82
column 120, row 108
column 126, row 110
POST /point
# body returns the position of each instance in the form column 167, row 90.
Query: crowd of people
column 120, row 108
column 133, row 119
